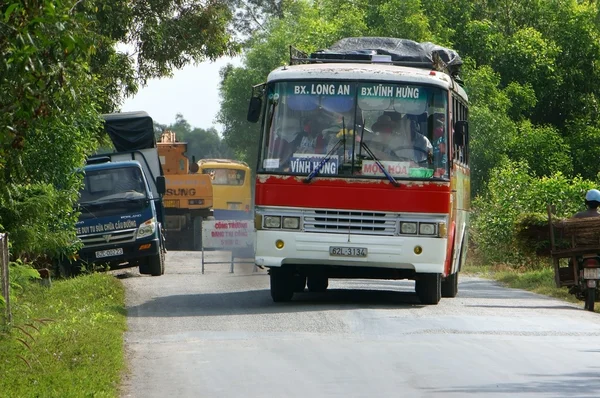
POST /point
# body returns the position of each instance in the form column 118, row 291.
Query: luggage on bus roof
column 401, row 51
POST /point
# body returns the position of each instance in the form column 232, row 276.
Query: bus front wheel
column 282, row 285
column 450, row 285
column 429, row 288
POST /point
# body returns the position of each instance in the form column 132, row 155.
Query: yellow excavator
column 188, row 199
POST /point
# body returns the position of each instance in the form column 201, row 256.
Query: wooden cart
column 572, row 239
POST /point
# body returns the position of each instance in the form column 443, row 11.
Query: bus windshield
column 349, row 129
column 225, row 176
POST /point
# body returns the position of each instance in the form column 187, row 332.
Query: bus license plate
column 591, row 273
column 109, row 252
column 348, row 251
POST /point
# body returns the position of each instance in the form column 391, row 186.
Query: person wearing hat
column 592, row 201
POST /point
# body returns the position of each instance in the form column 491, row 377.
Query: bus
column 232, row 188
column 363, row 168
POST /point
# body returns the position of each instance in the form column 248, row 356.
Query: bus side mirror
column 461, row 129
column 254, row 109
column 161, row 185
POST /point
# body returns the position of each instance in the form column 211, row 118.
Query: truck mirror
column 254, row 109
column 461, row 129
column 161, row 185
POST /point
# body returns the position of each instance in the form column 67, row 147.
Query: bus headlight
column 291, row 223
column 426, row 228
column 409, row 228
column 272, row 221
column 146, row 228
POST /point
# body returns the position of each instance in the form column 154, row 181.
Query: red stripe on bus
column 333, row 193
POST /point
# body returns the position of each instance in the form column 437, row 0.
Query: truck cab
column 121, row 213
column 118, row 220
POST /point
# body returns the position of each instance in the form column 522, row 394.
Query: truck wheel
column 156, row 264
column 429, row 288
column 299, row 283
column 282, row 286
column 450, row 285
column 317, row 284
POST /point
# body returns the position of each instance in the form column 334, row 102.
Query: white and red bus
column 363, row 172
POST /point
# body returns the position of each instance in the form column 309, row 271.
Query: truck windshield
column 401, row 126
column 111, row 185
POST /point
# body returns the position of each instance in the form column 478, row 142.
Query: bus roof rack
column 400, row 52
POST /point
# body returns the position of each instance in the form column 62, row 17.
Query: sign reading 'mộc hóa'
column 227, row 234
column 396, row 169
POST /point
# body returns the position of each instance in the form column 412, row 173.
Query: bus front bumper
column 419, row 254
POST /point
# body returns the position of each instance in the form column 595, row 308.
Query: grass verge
column 66, row 341
column 537, row 278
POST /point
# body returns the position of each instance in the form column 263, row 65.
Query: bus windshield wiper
column 324, row 160
column 377, row 161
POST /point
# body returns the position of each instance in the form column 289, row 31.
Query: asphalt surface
column 219, row 334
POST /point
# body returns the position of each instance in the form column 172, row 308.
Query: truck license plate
column 171, row 202
column 591, row 273
column 109, row 252
column 347, row 251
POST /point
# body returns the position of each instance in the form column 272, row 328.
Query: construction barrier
column 236, row 236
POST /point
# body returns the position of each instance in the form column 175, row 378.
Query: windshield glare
column 112, row 184
column 403, row 126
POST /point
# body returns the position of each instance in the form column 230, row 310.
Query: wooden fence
column 4, row 281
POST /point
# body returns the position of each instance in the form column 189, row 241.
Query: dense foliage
column 532, row 73
column 63, row 64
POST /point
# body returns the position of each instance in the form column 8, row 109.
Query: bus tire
column 299, row 283
column 450, row 285
column 317, row 284
column 429, row 288
column 282, row 286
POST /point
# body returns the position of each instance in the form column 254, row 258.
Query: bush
column 509, row 218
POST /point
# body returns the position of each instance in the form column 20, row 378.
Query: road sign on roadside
column 236, row 236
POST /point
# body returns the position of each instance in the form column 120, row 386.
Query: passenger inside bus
column 396, row 140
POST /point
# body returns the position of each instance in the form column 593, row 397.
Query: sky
column 192, row 91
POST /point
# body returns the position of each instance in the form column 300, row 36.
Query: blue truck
column 121, row 211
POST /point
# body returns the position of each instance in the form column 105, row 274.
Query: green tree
column 202, row 144
column 155, row 37
column 60, row 69
column 49, row 114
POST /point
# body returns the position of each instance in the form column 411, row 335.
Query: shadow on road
column 259, row 302
column 572, row 385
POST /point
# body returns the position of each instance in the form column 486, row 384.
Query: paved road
column 219, row 335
